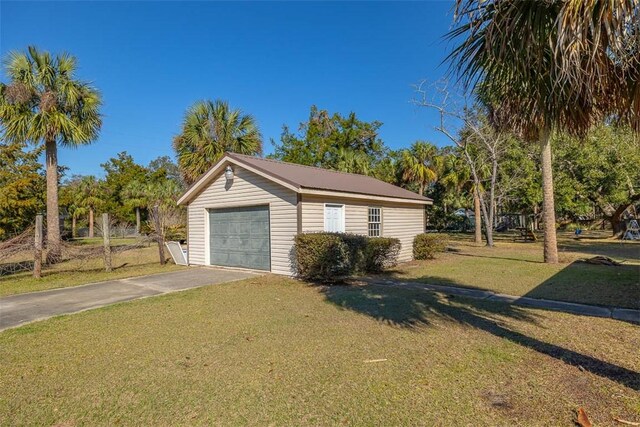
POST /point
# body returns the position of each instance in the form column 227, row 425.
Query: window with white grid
column 375, row 222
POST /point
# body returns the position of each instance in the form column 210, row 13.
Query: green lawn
column 136, row 262
column 273, row 351
column 517, row 269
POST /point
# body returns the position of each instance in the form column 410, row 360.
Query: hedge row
column 332, row 257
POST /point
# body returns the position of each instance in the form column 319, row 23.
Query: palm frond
column 554, row 63
column 209, row 129
column 57, row 105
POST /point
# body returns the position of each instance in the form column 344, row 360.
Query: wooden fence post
column 37, row 261
column 157, row 224
column 106, row 239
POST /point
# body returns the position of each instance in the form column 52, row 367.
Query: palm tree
column 76, row 212
column 352, row 161
column 550, row 65
column 135, row 197
column 161, row 197
column 209, row 129
column 419, row 164
column 45, row 104
column 89, row 198
column 455, row 175
column 68, row 199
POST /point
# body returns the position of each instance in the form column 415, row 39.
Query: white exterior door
column 334, row 218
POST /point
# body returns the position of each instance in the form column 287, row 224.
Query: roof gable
column 308, row 179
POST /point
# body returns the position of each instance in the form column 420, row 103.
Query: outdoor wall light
column 228, row 173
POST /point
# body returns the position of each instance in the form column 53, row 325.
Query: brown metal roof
column 323, row 179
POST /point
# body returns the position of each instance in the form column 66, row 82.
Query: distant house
column 245, row 211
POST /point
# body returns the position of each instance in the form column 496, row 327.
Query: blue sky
column 151, row 60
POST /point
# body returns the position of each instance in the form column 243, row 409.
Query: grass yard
column 517, row 269
column 273, row 351
column 135, row 262
column 511, row 268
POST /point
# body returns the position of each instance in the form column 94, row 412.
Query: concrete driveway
column 16, row 310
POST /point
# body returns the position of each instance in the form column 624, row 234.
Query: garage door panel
column 259, row 229
column 240, row 237
column 235, row 259
column 222, row 259
column 223, row 227
column 259, row 245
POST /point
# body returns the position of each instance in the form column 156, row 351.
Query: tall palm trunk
column 548, row 205
column 53, row 215
column 478, row 217
column 90, row 222
column 137, row 220
column 73, row 226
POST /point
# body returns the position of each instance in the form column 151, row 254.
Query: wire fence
column 28, row 251
column 17, row 253
column 121, row 231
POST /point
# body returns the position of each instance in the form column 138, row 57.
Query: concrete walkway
column 16, row 310
column 625, row 314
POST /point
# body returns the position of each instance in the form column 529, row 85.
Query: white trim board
column 341, row 194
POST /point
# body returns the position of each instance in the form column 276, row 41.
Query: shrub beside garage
column 427, row 245
column 380, row 254
column 333, row 257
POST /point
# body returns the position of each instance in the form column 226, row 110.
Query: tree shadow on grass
column 415, row 308
column 610, row 286
column 616, row 249
column 576, row 282
column 579, row 282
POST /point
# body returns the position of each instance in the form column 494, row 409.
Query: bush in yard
column 356, row 244
column 380, row 254
column 426, row 245
column 332, row 257
column 321, row 256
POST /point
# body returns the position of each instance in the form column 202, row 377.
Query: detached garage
column 245, row 211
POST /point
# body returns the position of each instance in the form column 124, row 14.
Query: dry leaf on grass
column 583, row 419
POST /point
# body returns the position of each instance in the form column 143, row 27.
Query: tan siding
column 248, row 189
column 402, row 221
column 312, row 215
column 356, row 217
